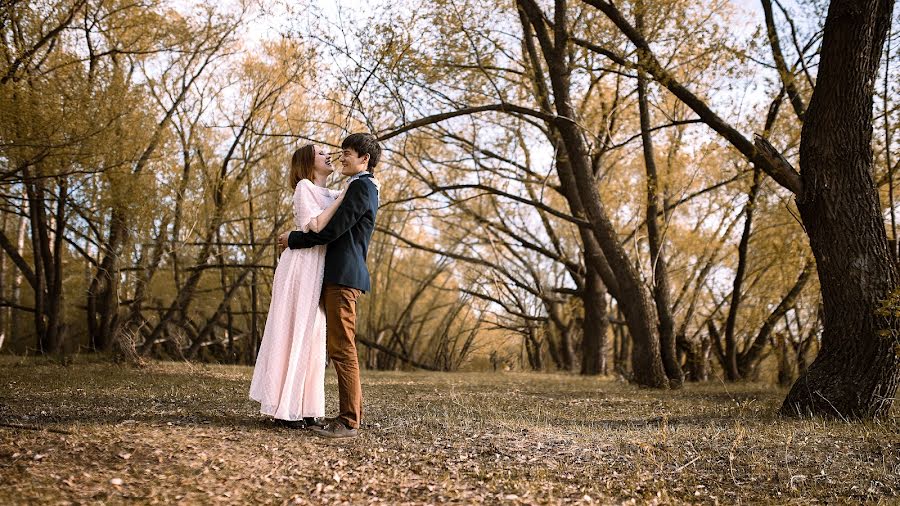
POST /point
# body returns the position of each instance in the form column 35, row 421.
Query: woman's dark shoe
column 312, row 422
column 291, row 424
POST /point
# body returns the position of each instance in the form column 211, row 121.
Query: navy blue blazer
column 347, row 236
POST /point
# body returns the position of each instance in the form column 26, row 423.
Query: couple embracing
column 320, row 275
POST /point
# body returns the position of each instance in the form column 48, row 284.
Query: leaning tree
column 857, row 370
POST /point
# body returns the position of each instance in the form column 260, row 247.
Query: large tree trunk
column 856, row 372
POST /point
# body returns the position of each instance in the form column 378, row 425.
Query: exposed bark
column 857, row 370
column 253, row 348
column 6, row 312
column 888, row 145
column 16, row 323
column 102, row 307
column 57, row 338
column 596, row 325
column 598, row 275
column 553, row 347
column 15, row 253
column 39, row 251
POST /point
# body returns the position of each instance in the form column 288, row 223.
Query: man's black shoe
column 336, row 430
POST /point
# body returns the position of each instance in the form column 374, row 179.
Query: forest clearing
column 551, row 251
column 186, row 432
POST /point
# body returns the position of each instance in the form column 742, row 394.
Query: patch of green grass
column 98, row 432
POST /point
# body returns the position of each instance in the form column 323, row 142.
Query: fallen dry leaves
column 175, row 432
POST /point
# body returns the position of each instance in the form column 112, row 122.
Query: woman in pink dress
column 289, row 377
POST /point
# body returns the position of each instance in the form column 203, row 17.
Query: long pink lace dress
column 289, row 377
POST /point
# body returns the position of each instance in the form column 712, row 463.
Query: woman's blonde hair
column 303, row 164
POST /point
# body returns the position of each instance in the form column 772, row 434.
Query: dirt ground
column 176, row 432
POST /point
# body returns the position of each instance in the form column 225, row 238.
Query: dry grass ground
column 171, row 432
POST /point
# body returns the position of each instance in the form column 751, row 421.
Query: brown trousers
column 340, row 342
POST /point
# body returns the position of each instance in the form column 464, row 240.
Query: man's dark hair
column 364, row 144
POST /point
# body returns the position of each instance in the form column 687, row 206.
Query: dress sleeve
column 306, row 206
column 360, row 197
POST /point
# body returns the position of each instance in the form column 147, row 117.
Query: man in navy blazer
column 346, row 275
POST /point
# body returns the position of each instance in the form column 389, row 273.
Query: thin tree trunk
column 731, row 352
column 253, row 347
column 207, row 330
column 15, row 324
column 634, row 298
column 553, row 346
column 39, row 251
column 596, row 325
column 887, row 144
column 148, row 266
column 57, row 294
column 748, row 361
column 102, row 309
column 561, row 350
column 533, row 349
column 223, row 278
column 5, row 313
column 622, row 347
column 660, row 280
column 785, row 369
